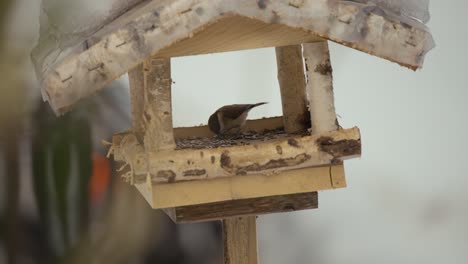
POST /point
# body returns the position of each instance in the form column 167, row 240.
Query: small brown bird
column 229, row 117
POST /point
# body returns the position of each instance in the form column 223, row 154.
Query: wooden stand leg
column 320, row 91
column 320, row 87
column 293, row 88
column 240, row 240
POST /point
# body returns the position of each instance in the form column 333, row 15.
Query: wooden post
column 157, row 113
column 136, row 79
column 320, row 87
column 293, row 88
column 240, row 240
column 150, row 93
column 137, row 88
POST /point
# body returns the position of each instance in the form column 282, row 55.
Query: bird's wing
column 233, row 111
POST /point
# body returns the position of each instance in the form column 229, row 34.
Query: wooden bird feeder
column 282, row 162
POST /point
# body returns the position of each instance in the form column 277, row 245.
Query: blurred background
column 406, row 200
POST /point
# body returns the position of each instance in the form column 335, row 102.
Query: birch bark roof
column 83, row 50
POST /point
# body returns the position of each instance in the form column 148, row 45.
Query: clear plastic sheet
column 412, row 13
column 413, row 9
column 65, row 24
column 70, row 27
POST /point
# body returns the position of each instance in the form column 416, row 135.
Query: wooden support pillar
column 136, row 79
column 293, row 88
column 320, row 87
column 157, row 112
column 320, row 91
column 240, row 240
column 137, row 87
column 150, row 93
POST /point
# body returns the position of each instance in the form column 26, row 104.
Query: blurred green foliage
column 62, row 167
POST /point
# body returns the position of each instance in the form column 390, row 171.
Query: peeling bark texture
column 320, row 87
column 293, row 88
column 240, row 240
column 157, row 113
column 244, row 207
column 73, row 65
column 262, row 158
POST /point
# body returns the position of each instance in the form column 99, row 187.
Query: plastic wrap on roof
column 65, row 24
column 413, row 13
column 73, row 33
column 416, row 9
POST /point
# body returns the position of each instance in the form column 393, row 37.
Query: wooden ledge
column 190, row 193
column 269, row 157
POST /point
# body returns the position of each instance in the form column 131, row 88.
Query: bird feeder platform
column 277, row 164
column 266, row 163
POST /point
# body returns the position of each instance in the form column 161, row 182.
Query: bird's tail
column 257, row 104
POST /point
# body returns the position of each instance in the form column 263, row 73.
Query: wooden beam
column 293, row 88
column 244, row 207
column 256, row 158
column 234, row 32
column 233, row 188
column 240, row 240
column 320, row 87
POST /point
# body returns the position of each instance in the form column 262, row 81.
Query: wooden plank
column 240, row 240
column 237, row 33
column 252, row 186
column 256, row 158
column 320, row 87
column 185, row 27
column 244, row 207
column 292, row 82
